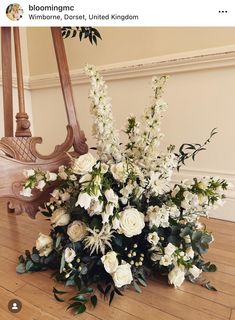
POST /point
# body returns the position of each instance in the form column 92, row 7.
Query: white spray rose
column 77, row 231
column 153, row 238
column 195, row 271
column 110, row 261
column 60, row 217
column 84, row 200
column 44, row 244
column 119, row 171
column 176, row 276
column 131, row 222
column 83, row 164
column 165, row 260
column 69, row 255
column 122, row 276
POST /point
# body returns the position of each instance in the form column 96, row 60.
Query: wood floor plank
column 233, row 315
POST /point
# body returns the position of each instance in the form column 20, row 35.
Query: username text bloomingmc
column 52, row 12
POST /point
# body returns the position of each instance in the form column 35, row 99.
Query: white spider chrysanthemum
column 99, row 239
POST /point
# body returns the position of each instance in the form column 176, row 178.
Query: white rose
column 122, row 276
column 41, row 184
column 84, row 200
column 165, row 260
column 110, row 261
column 131, row 222
column 111, row 196
column 83, row 164
column 176, row 276
column 195, row 271
column 170, row 249
column 153, row 238
column 69, row 255
column 60, row 217
column 26, row 192
column 51, row 176
column 119, row 171
column 44, row 244
column 77, row 231
column 28, row 173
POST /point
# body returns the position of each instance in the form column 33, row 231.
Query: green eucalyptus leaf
column 94, row 300
column 21, row 268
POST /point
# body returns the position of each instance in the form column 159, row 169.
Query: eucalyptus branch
column 84, row 33
column 190, row 150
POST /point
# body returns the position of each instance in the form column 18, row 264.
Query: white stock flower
column 131, row 222
column 28, row 173
column 158, row 217
column 83, row 164
column 26, row 192
column 84, row 200
column 153, row 238
column 123, row 275
column 44, row 244
column 77, row 231
column 175, row 191
column 60, row 217
column 119, row 171
column 195, row 271
column 176, row 276
column 69, row 255
column 170, row 249
column 110, row 261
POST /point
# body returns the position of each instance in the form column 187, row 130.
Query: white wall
column 200, row 95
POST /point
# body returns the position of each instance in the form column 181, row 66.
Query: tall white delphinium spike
column 103, row 128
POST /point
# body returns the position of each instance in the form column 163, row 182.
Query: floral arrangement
column 117, row 218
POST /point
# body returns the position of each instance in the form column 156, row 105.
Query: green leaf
column 208, row 286
column 58, row 291
column 142, row 282
column 99, row 287
column 94, row 300
column 111, row 296
column 107, row 290
column 29, row 265
column 80, row 309
column 21, row 259
column 62, row 263
column 57, row 298
column 86, row 290
column 21, row 268
column 73, row 305
column 118, row 291
column 137, row 288
column 58, row 240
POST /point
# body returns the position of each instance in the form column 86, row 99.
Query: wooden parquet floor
column 157, row 302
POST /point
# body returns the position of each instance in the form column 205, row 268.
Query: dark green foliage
column 89, row 33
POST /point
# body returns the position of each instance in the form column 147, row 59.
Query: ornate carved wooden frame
column 19, row 152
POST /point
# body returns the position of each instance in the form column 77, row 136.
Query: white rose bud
column 77, row 231
column 83, row 164
column 110, row 261
column 131, row 222
column 69, row 255
column 111, row 196
column 60, row 217
column 176, row 276
column 122, row 276
column 44, row 244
